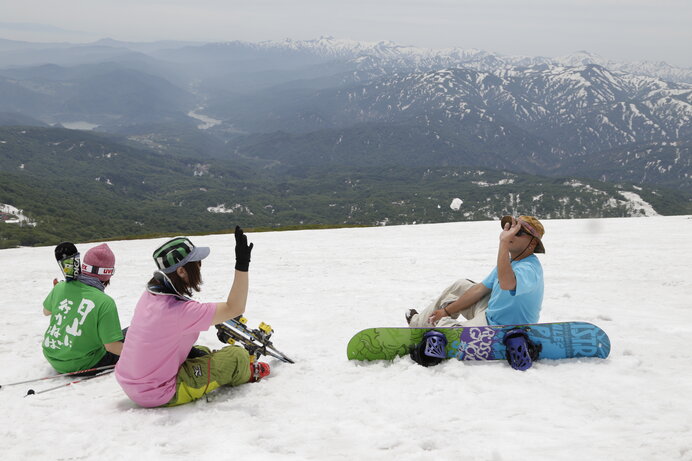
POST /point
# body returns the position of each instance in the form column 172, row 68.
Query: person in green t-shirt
column 84, row 330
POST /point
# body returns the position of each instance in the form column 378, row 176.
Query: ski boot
column 431, row 350
column 258, row 370
column 521, row 351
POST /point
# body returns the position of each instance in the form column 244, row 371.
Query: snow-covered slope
column 317, row 288
column 538, row 119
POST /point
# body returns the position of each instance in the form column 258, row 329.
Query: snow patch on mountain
column 637, row 205
column 501, row 182
column 12, row 215
column 237, row 208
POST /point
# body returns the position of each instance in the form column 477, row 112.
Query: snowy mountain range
column 341, row 102
column 325, row 132
column 333, row 48
column 540, row 119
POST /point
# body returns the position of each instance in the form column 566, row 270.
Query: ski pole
column 32, row 392
column 107, row 367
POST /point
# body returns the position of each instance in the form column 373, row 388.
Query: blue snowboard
column 559, row 340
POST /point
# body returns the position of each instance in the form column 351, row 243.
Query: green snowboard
column 559, row 340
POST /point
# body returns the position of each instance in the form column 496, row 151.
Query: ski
column 68, row 258
column 77, row 381
column 256, row 341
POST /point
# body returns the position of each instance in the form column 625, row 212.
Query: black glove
column 242, row 250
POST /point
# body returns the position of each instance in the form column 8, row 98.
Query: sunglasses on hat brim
column 525, row 229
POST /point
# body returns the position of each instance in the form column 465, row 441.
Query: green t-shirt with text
column 83, row 319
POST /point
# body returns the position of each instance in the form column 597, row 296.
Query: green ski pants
column 229, row 366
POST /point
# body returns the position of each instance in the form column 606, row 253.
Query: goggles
column 95, row 270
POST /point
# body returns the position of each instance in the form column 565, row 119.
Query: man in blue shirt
column 511, row 294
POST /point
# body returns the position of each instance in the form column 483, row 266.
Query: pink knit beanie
column 99, row 262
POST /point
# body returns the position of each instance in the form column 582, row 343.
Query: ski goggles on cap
column 176, row 253
column 95, row 270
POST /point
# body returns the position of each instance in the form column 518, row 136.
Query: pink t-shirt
column 163, row 330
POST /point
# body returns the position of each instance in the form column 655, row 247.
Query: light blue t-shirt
column 521, row 305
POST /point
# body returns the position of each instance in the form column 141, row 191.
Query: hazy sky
column 616, row 29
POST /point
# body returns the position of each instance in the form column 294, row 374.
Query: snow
column 237, row 208
column 637, row 205
column 471, row 57
column 19, row 217
column 501, row 182
column 317, row 288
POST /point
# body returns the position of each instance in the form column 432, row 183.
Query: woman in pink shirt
column 159, row 364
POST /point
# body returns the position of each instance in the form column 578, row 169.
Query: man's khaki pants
column 471, row 316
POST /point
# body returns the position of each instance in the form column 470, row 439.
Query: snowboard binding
column 431, row 350
column 521, row 351
column 256, row 341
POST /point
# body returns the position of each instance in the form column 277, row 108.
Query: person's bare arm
column 505, row 274
column 45, row 311
column 237, row 297
column 115, row 347
column 236, row 301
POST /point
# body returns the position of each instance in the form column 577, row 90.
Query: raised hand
column 509, row 231
column 242, row 250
